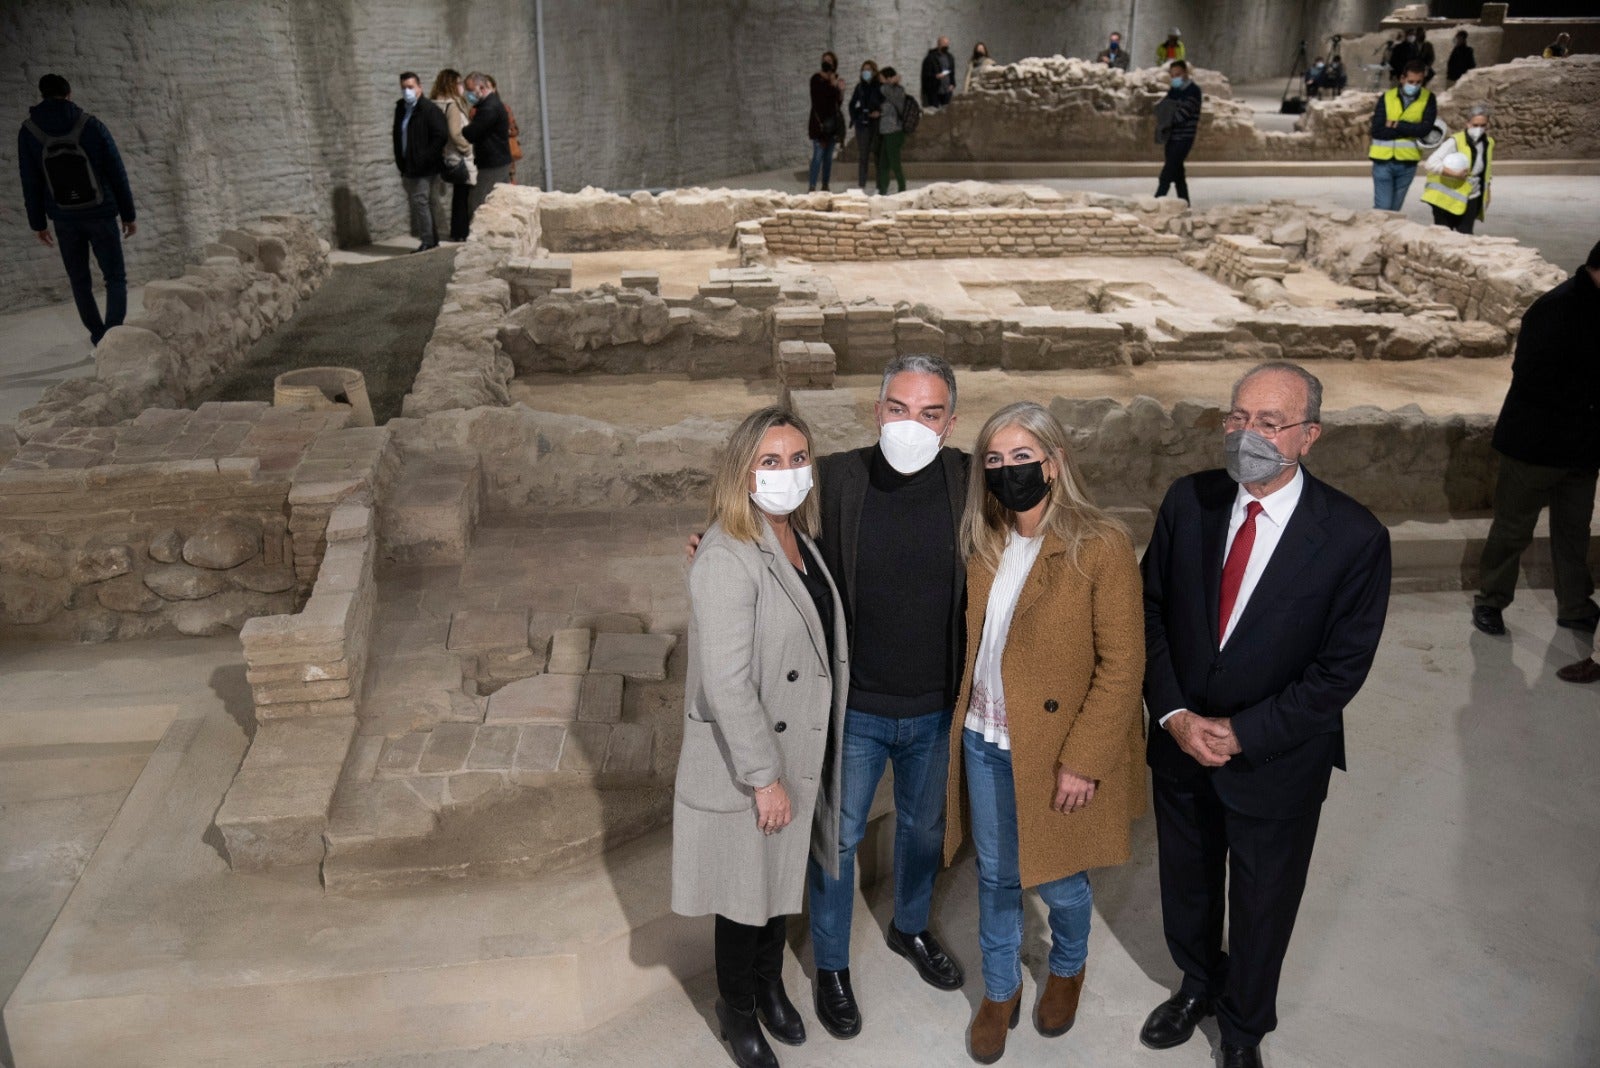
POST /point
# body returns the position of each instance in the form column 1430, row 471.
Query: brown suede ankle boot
column 986, row 1038
column 1057, row 1007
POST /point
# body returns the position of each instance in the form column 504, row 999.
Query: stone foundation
column 193, row 327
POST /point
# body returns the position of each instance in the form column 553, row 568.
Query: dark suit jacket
column 1551, row 415
column 843, row 477
column 425, row 139
column 1299, row 653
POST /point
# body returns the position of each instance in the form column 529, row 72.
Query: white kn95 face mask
column 779, row 492
column 908, row 445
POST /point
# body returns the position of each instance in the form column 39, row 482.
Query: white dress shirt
column 1276, row 508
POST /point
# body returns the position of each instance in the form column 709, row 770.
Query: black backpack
column 910, row 115
column 68, row 171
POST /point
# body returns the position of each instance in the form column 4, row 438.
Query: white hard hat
column 1175, row 32
column 1455, row 161
column 1435, row 135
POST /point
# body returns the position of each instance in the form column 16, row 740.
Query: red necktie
column 1233, row 570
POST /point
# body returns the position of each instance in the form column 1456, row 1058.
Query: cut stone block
column 649, row 281
column 631, row 750
column 433, row 510
column 285, row 743
column 447, row 748
column 480, row 630
column 543, row 698
column 400, row 756
column 493, row 748
column 637, row 656
column 600, row 700
column 377, row 810
column 539, row 749
column 276, row 815
column 469, row 786
column 569, row 651
column 584, row 749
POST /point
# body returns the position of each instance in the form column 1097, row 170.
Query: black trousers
column 1172, row 171
column 747, row 956
column 1521, row 492
column 460, row 211
column 1203, row 845
column 866, row 149
column 1461, row 224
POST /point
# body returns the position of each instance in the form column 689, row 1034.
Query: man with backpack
column 899, row 119
column 72, row 175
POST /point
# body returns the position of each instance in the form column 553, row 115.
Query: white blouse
column 987, row 712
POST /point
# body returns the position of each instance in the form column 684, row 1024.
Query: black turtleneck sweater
column 905, row 572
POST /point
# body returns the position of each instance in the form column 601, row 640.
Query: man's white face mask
column 908, row 445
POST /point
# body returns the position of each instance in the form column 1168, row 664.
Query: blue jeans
column 1390, row 180
column 77, row 237
column 994, row 833
column 821, row 162
column 920, row 749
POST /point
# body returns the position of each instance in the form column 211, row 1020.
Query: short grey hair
column 920, row 363
column 1479, row 109
column 477, row 77
column 1312, row 382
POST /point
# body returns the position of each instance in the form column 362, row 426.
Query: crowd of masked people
column 455, row 141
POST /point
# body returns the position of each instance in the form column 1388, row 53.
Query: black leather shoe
column 778, row 1013
column 1488, row 620
column 1172, row 1022
column 836, row 1004
column 744, row 1037
column 933, row 963
column 1232, row 1056
column 1581, row 623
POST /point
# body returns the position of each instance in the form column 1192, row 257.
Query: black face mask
column 828, row 68
column 1018, row 486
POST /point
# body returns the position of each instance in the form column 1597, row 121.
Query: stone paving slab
column 479, row 630
column 547, row 698
column 637, row 656
column 569, row 651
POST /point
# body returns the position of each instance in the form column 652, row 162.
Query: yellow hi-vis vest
column 1405, row 149
column 1453, row 194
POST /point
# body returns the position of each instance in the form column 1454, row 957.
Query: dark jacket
column 1551, row 415
column 57, row 117
column 1380, row 118
column 935, row 94
column 490, row 133
column 1461, row 60
column 843, row 477
column 1298, row 655
column 826, row 101
column 426, row 136
column 1401, row 54
column 1186, row 113
column 867, row 98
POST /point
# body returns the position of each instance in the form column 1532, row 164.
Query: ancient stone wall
column 193, row 327
column 1542, row 110
column 818, row 235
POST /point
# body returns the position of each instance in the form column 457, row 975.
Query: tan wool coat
column 1072, row 672
column 763, row 701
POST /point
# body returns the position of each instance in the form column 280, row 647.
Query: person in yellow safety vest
column 1401, row 117
column 1171, row 49
column 1460, row 199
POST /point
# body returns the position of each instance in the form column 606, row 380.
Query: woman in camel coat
column 1047, row 750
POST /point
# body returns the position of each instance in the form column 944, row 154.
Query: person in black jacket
column 1184, row 102
column 490, row 134
column 1265, row 593
column 866, row 104
column 1462, row 59
column 1548, row 438
column 420, row 135
column 938, row 75
column 95, row 200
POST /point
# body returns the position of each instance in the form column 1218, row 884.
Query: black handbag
column 456, row 172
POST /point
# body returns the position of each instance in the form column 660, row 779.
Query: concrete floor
column 1450, row 918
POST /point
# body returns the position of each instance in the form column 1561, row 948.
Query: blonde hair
column 1070, row 514
column 730, row 485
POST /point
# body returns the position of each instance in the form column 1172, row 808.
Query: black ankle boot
column 744, row 1037
column 774, row 1009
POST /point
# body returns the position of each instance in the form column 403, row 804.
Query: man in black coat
column 938, row 75
column 1548, row 438
column 490, row 135
column 1265, row 596
column 420, row 134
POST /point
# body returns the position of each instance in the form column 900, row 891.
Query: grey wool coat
column 762, row 702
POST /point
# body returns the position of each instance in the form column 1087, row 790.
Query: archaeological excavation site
column 352, row 583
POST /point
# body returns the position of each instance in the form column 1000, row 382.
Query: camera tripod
column 1294, row 100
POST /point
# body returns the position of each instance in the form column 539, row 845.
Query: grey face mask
column 1251, row 457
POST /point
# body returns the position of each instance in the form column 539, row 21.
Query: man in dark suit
column 1265, row 596
column 420, row 133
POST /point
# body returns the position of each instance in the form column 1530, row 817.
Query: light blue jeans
column 1391, row 178
column 994, row 833
column 919, row 746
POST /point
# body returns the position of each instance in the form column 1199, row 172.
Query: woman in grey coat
column 758, row 776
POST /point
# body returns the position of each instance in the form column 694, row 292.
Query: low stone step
column 432, row 511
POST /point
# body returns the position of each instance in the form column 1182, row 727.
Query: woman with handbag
column 757, row 790
column 459, row 171
column 1047, row 747
column 824, row 127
